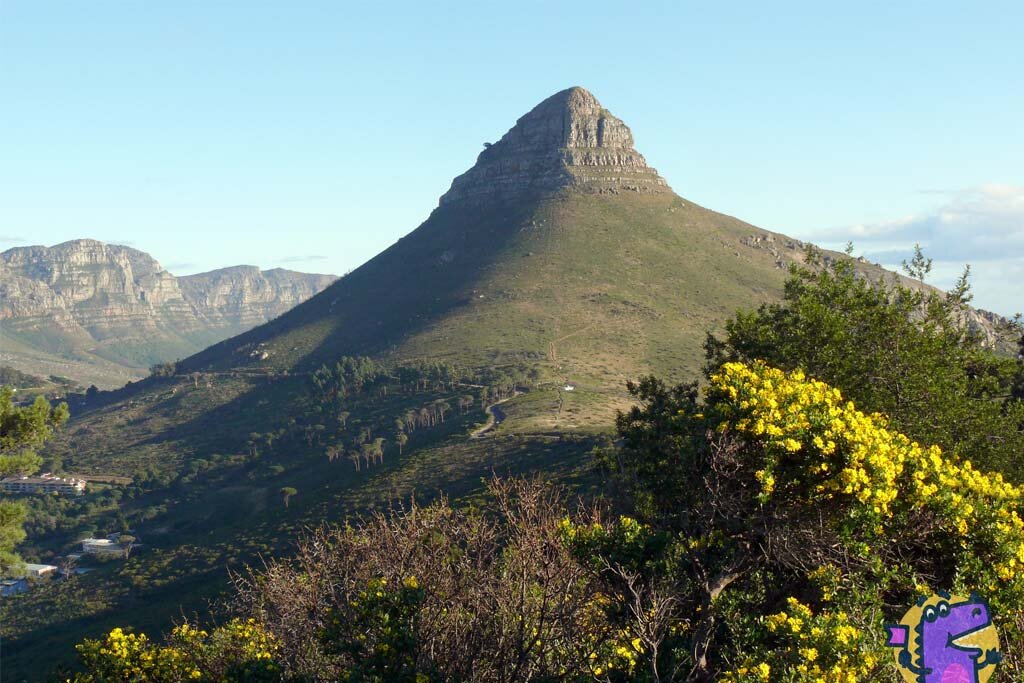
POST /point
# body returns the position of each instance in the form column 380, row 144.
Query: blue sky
column 311, row 135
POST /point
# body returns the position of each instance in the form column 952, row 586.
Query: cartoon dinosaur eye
column 943, row 609
column 929, row 613
column 976, row 612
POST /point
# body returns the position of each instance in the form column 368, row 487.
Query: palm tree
column 253, row 443
column 287, row 492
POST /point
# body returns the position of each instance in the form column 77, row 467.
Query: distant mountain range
column 103, row 313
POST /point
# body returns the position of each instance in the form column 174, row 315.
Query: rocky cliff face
column 85, row 300
column 568, row 140
column 245, row 296
column 87, row 286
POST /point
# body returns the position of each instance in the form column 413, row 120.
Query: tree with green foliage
column 254, row 443
column 17, row 379
column 22, row 429
column 1017, row 391
column 163, row 369
column 286, row 494
column 127, row 542
column 900, row 350
column 918, row 267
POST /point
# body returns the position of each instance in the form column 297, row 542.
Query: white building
column 101, row 546
column 38, row 571
column 44, row 483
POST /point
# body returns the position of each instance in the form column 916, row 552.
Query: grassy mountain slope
column 593, row 289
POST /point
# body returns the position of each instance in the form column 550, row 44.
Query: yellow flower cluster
column 748, row 673
column 133, row 657
column 244, row 638
column 813, row 648
column 619, row 654
column 827, row 578
column 820, row 447
column 128, row 656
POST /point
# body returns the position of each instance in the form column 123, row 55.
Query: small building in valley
column 44, row 483
column 39, row 571
column 101, row 546
column 12, row 587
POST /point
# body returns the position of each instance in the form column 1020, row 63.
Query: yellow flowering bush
column 827, row 579
column 820, row 450
column 804, row 647
column 611, row 633
column 616, row 656
column 241, row 650
column 377, row 630
column 126, row 656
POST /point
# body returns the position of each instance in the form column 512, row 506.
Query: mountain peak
column 568, row 140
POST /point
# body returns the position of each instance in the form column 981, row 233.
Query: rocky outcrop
column 84, row 299
column 245, row 296
column 85, row 285
column 568, row 140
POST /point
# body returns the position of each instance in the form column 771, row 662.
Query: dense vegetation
column 22, row 430
column 275, row 456
column 896, row 350
column 813, row 519
column 852, row 448
column 19, row 380
column 28, row 386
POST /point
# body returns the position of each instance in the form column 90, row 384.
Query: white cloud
column 981, row 226
column 302, row 259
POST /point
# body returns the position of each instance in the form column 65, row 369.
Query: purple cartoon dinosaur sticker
column 945, row 639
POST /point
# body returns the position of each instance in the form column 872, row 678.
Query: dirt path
column 495, row 416
column 553, row 351
column 553, row 357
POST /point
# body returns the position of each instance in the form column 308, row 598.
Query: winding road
column 495, row 416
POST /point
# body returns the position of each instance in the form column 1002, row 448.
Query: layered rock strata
column 568, row 140
column 85, row 299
